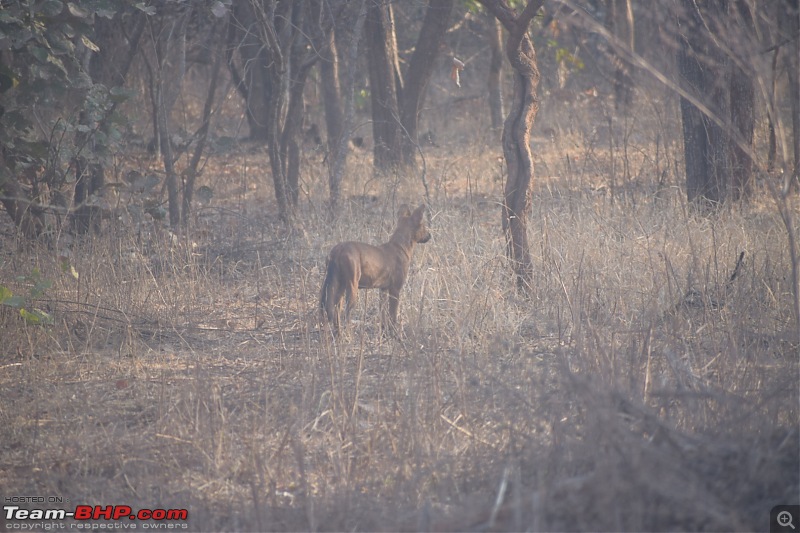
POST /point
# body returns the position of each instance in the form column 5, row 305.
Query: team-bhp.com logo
column 90, row 514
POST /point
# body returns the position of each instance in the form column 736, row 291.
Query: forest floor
column 635, row 387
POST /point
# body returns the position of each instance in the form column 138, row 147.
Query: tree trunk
column 331, row 92
column 794, row 82
column 325, row 44
column 266, row 53
column 619, row 22
column 202, row 134
column 275, row 58
column 253, row 81
column 170, row 53
column 383, row 91
column 742, row 105
column 339, row 153
column 420, row 69
column 299, row 65
column 234, row 42
column 89, row 180
column 772, row 150
column 704, row 74
column 272, row 128
column 517, row 133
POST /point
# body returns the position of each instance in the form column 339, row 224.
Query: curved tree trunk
column 517, row 133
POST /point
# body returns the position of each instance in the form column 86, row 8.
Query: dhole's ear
column 403, row 211
column 418, row 212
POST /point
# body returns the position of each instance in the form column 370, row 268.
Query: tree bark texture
column 517, row 134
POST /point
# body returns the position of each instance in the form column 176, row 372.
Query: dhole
column 357, row 265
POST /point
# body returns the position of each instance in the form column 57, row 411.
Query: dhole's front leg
column 390, row 321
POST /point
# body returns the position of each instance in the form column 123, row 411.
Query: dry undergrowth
column 634, row 388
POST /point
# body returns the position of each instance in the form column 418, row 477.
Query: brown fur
column 357, row 265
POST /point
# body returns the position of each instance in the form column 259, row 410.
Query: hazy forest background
column 602, row 334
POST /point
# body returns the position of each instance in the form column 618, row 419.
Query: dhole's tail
column 327, row 290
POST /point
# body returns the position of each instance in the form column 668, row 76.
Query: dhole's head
column 414, row 223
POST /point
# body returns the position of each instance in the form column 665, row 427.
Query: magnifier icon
column 785, row 519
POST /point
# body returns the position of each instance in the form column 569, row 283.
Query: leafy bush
column 37, row 285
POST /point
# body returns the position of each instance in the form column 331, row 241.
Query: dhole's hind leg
column 333, row 306
column 336, row 313
column 351, row 295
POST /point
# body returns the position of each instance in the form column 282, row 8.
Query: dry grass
column 633, row 389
